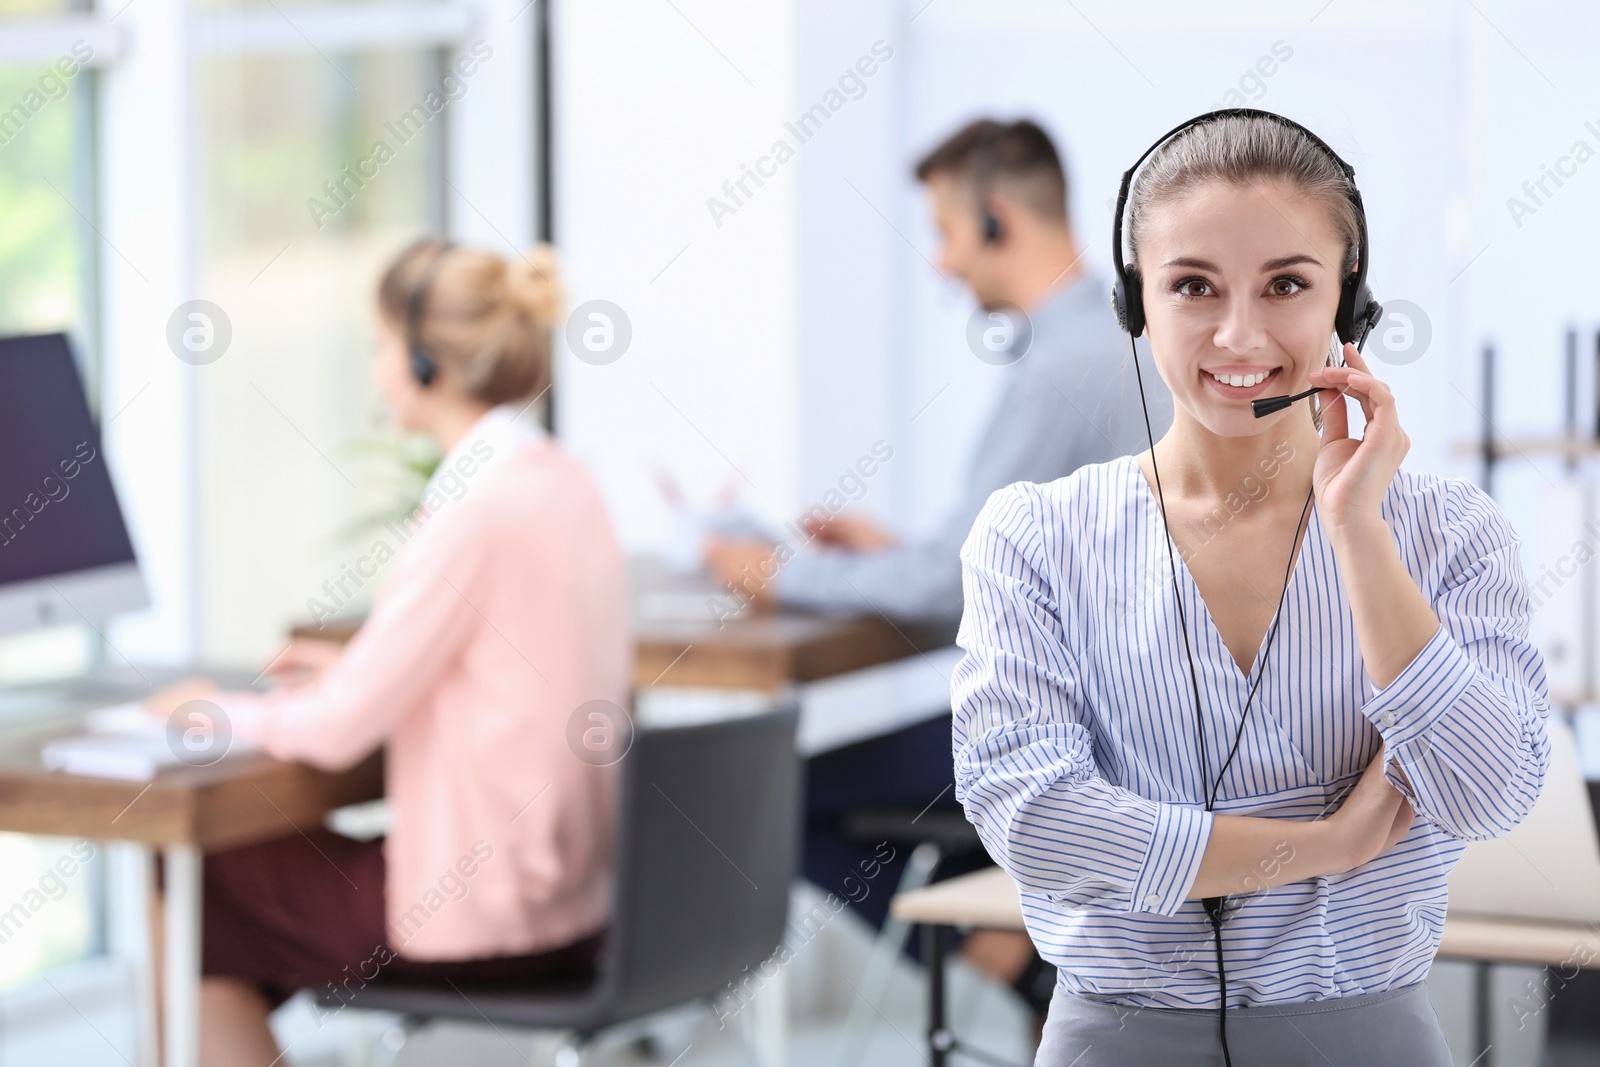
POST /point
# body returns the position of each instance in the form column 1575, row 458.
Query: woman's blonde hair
column 483, row 319
column 1241, row 150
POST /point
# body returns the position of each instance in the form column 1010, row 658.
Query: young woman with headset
column 503, row 620
column 1231, row 800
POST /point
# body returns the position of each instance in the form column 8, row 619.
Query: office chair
column 707, row 845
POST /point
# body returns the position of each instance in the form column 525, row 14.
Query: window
column 47, row 284
column 313, row 172
column 47, row 264
column 233, row 472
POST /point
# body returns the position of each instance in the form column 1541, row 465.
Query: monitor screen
column 58, row 511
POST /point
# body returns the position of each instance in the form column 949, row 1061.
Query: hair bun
column 533, row 283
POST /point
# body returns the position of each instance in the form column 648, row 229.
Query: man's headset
column 983, row 187
column 423, row 367
column 1358, row 312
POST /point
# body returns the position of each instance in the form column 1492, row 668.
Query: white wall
column 1107, row 82
column 810, row 322
column 656, row 105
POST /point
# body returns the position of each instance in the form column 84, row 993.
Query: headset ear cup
column 1130, row 308
column 1368, row 317
column 1344, row 319
column 1358, row 312
column 422, row 367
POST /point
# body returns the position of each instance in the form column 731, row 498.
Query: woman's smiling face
column 1239, row 281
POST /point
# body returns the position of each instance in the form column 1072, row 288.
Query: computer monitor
column 65, row 555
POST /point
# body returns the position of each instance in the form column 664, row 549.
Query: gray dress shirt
column 1070, row 399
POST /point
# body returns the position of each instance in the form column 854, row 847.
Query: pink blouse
column 506, row 613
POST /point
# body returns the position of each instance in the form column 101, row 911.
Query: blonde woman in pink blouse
column 504, row 615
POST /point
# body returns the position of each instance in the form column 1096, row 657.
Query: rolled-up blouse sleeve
column 1466, row 718
column 1024, row 759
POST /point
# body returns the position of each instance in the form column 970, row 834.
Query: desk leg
column 769, row 1020
column 1483, row 996
column 181, row 1008
column 130, row 880
column 940, row 1039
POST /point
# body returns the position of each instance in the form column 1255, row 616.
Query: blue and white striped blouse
column 1076, row 755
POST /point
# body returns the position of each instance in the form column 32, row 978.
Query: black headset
column 1358, row 313
column 423, row 367
column 983, row 187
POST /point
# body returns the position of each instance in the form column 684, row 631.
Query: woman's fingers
column 1355, row 377
column 1375, row 815
column 1373, row 795
column 1376, row 399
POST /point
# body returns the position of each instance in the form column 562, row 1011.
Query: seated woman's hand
column 303, row 661
column 1373, row 819
column 163, row 702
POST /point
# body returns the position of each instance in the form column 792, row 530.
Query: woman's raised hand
column 1373, row 818
column 1351, row 477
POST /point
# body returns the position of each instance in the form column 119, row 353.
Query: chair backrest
column 708, row 841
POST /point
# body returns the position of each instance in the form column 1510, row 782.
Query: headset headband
column 983, row 175
column 422, row 364
column 1358, row 311
column 417, row 299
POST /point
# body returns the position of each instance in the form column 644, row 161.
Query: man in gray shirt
column 1070, row 398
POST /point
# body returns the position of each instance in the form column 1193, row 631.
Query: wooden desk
column 985, row 899
column 988, row 900
column 765, row 652
column 854, row 677
column 1486, row 940
column 769, row 651
column 183, row 811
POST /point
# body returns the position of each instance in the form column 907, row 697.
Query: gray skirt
column 1394, row 1028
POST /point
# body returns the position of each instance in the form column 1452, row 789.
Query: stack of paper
column 123, row 741
column 127, row 756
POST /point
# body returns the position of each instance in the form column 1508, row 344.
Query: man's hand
column 303, row 661
column 747, row 565
column 851, row 532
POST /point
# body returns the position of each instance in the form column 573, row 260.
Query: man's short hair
column 1018, row 155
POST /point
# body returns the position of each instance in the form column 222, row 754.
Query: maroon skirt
column 307, row 911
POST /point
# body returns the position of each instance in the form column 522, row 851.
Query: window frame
column 139, row 165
